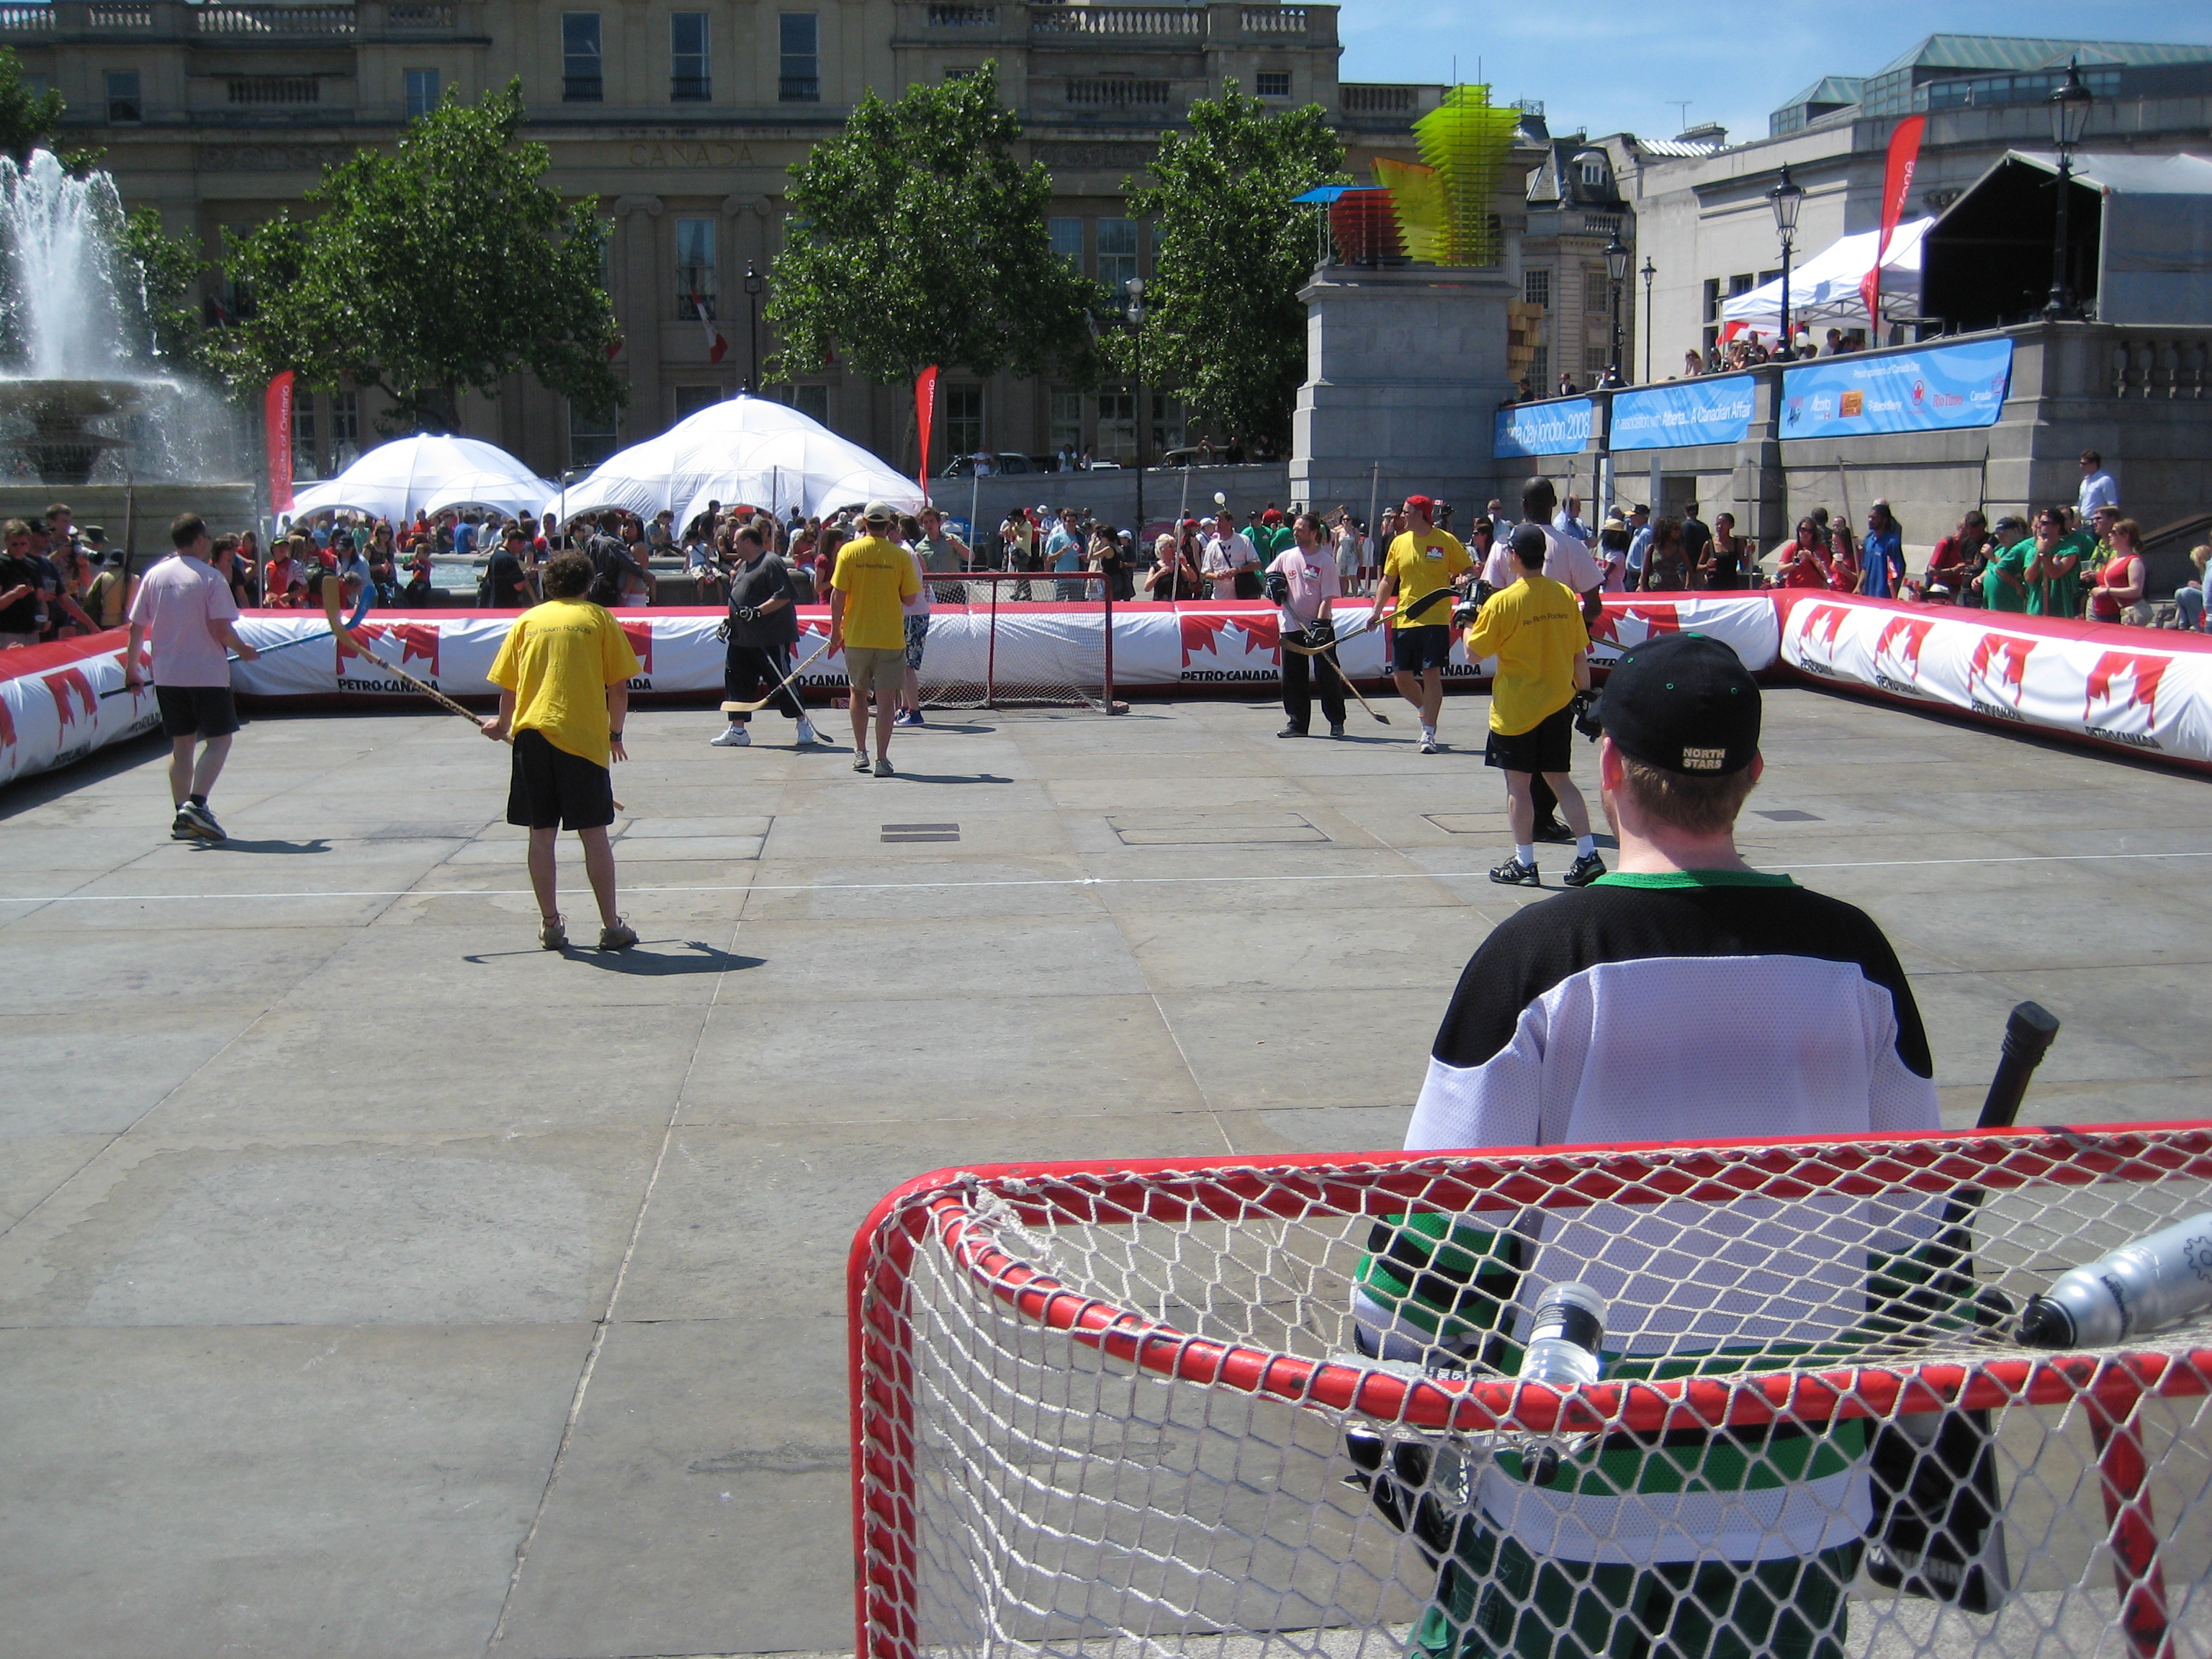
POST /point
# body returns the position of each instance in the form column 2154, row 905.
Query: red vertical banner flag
column 925, row 417
column 1896, row 191
column 276, row 429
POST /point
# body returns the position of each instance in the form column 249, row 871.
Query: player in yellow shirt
column 868, row 591
column 563, row 674
column 1536, row 630
column 1422, row 567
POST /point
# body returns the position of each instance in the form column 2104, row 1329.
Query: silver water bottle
column 1566, row 1329
column 2138, row 1288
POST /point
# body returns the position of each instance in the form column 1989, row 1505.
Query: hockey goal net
column 1012, row 640
column 1138, row 1409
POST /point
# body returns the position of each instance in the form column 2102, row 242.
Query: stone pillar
column 1405, row 367
column 644, row 303
column 1761, row 492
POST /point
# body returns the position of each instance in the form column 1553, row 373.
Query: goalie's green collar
column 1682, row 880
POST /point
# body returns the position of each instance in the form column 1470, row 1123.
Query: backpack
column 608, row 559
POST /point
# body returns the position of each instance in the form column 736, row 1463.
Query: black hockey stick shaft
column 2030, row 1031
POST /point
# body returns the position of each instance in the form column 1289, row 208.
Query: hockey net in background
column 1009, row 639
column 1120, row 1410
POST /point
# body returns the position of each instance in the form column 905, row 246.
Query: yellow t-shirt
column 1534, row 628
column 559, row 660
column 877, row 577
column 1422, row 564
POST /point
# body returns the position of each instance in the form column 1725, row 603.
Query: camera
column 1586, row 720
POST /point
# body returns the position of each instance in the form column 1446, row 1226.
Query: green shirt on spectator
column 2004, row 583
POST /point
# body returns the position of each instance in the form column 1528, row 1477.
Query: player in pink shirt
column 185, row 607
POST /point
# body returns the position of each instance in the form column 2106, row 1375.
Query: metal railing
column 798, row 89
column 690, row 88
column 582, row 88
column 413, row 17
column 1364, row 100
column 1114, row 93
column 119, row 17
column 276, row 89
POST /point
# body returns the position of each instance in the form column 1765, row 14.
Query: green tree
column 917, row 239
column 1225, row 323
column 28, row 118
column 432, row 271
column 166, row 295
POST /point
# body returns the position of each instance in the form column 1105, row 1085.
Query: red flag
column 1896, row 191
column 925, row 417
column 716, row 345
column 276, row 431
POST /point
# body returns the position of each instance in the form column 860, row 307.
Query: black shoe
column 1584, row 871
column 1514, row 874
column 1336, row 728
column 1554, row 831
column 199, row 821
column 1291, row 732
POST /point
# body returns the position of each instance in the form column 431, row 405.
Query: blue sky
column 1612, row 65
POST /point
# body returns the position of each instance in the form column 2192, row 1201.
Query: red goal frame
column 940, row 1207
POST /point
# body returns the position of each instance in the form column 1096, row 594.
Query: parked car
column 1005, row 461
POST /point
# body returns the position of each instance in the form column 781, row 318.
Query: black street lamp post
column 1787, row 197
column 1135, row 313
column 1617, row 257
column 755, row 283
column 1647, row 273
column 2069, row 115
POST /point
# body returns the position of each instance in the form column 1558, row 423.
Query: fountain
column 71, row 366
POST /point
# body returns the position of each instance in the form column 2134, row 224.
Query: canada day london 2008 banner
column 1929, row 390
column 1561, row 426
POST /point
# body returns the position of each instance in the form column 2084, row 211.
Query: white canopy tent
column 428, row 472
column 1824, row 291
column 745, row 449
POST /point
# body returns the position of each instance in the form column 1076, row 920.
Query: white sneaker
column 805, row 735
column 732, row 736
column 1428, row 740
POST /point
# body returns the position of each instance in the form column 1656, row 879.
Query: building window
column 593, row 435
column 345, row 428
column 1068, row 242
column 1117, row 253
column 688, row 77
column 307, row 455
column 963, row 74
column 1712, row 299
column 1594, row 173
column 963, row 419
column 1117, row 426
column 695, row 270
column 123, row 107
column 1170, row 424
column 583, row 80
column 690, row 399
column 1594, row 362
column 1274, row 83
column 1540, row 371
column 1597, row 291
column 422, row 93
column 813, row 402
column 1536, row 287
column 799, row 33
column 1066, row 425
column 1742, row 283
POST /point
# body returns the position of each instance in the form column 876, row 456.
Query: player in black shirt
column 762, row 627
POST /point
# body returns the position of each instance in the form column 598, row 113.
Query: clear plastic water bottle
column 1567, row 1328
column 2138, row 1288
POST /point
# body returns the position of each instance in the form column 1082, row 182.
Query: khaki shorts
column 875, row 668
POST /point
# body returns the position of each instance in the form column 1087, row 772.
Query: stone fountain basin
column 75, row 400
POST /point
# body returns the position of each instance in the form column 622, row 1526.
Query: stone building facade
column 683, row 122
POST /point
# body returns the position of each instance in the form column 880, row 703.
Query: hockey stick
column 367, row 599
column 331, row 598
column 1397, row 618
column 754, row 708
column 1937, row 1530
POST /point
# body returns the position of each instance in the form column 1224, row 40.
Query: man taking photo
column 1534, row 628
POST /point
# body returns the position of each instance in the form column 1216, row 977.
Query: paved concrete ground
column 375, row 1284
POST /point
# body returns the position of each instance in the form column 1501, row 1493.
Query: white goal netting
column 1001, row 639
column 1140, row 1411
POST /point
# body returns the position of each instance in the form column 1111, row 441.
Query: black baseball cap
column 1682, row 702
column 1530, row 544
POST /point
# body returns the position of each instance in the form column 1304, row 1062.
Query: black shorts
column 1546, row 746
column 197, row 711
column 1414, row 650
column 549, row 788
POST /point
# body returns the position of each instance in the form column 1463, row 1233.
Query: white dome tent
column 428, row 472
column 1824, row 291
column 745, row 449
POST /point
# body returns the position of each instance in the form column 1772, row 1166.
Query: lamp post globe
column 2069, row 119
column 1787, row 200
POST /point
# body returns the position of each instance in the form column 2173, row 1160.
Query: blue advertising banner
column 1559, row 427
column 1714, row 411
column 1929, row 390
